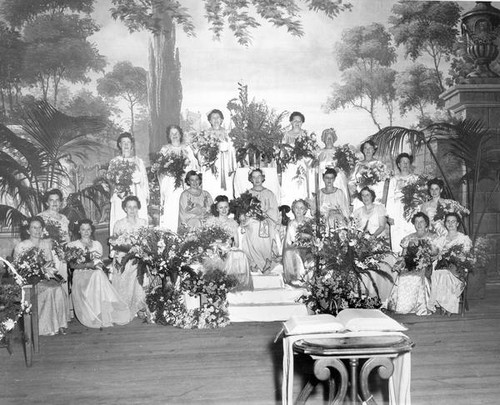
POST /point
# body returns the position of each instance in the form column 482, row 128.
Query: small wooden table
column 328, row 353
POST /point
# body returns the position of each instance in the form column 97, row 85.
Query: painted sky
column 289, row 73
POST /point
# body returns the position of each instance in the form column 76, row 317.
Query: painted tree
column 160, row 17
column 417, row 87
column 364, row 56
column 426, row 27
column 127, row 82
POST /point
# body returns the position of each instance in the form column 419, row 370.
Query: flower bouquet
column 246, row 205
column 123, row 242
column 33, row 267
column 346, row 159
column 446, row 206
column 172, row 164
column 120, row 174
column 305, row 147
column 414, row 194
column 458, row 260
column 371, row 174
column 418, row 258
column 208, row 147
column 54, row 231
column 209, row 239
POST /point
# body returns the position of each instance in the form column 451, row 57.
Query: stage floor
column 455, row 361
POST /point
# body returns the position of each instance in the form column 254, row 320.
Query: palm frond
column 391, row 140
column 11, row 217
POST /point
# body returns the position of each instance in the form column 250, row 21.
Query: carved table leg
column 353, row 365
column 323, row 373
column 385, row 369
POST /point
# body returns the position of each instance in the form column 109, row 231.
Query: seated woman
column 411, row 291
column 372, row 218
column 194, row 203
column 53, row 306
column 293, row 256
column 236, row 262
column 446, row 283
column 95, row 301
column 125, row 277
column 333, row 204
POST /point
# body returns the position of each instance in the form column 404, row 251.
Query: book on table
column 350, row 319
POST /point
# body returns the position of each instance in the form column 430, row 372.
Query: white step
column 286, row 295
column 267, row 281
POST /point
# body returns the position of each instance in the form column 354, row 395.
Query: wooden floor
column 455, row 361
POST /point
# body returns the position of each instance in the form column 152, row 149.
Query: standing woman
column 53, row 307
column 294, row 178
column 219, row 179
column 261, row 236
column 128, row 176
column 400, row 227
column 194, row 203
column 95, row 300
column 169, row 193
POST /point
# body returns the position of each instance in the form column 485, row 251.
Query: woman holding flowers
column 174, row 160
column 236, row 262
column 217, row 156
column 411, row 291
column 369, row 172
column 95, row 300
column 261, row 238
column 53, row 308
column 400, row 227
column 127, row 175
column 437, row 207
column 194, row 203
column 449, row 277
column 125, row 275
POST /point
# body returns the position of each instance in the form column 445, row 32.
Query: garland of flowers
column 414, row 194
column 346, row 159
column 335, row 281
column 208, row 146
column 171, row 164
column 371, row 174
column 120, row 174
column 458, row 260
column 54, row 231
column 248, row 205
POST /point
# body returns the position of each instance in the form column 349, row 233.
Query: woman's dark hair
column 284, row 210
column 420, row 215
column 193, row 173
column 256, row 170
column 297, row 114
column 438, row 182
column 130, row 198
column 215, row 111
column 26, row 226
column 329, row 170
column 402, row 156
column 169, row 128
column 80, row 223
column 54, row 191
column 121, row 137
column 218, row 199
column 453, row 214
column 369, row 142
column 366, row 188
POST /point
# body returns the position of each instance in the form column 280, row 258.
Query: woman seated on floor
column 95, row 301
column 411, row 291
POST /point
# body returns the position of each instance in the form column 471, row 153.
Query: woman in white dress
column 372, row 218
column 236, row 262
column 295, row 178
column 411, row 291
column 333, row 205
column 95, row 301
column 219, row 180
column 139, row 186
column 53, row 306
column 293, row 256
column 194, row 203
column 125, row 276
column 261, row 238
column 368, row 149
column 326, row 159
column 446, row 286
column 400, row 227
column 169, row 194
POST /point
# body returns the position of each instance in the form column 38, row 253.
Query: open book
column 350, row 319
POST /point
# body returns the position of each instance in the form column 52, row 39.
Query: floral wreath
column 12, row 295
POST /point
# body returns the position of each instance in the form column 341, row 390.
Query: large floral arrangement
column 414, row 194
column 209, row 239
column 246, row 205
column 208, row 145
column 346, row 159
column 34, row 267
column 368, row 175
column 457, row 259
column 121, row 174
column 171, row 164
column 335, row 281
column 54, row 231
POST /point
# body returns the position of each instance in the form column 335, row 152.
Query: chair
column 464, row 303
